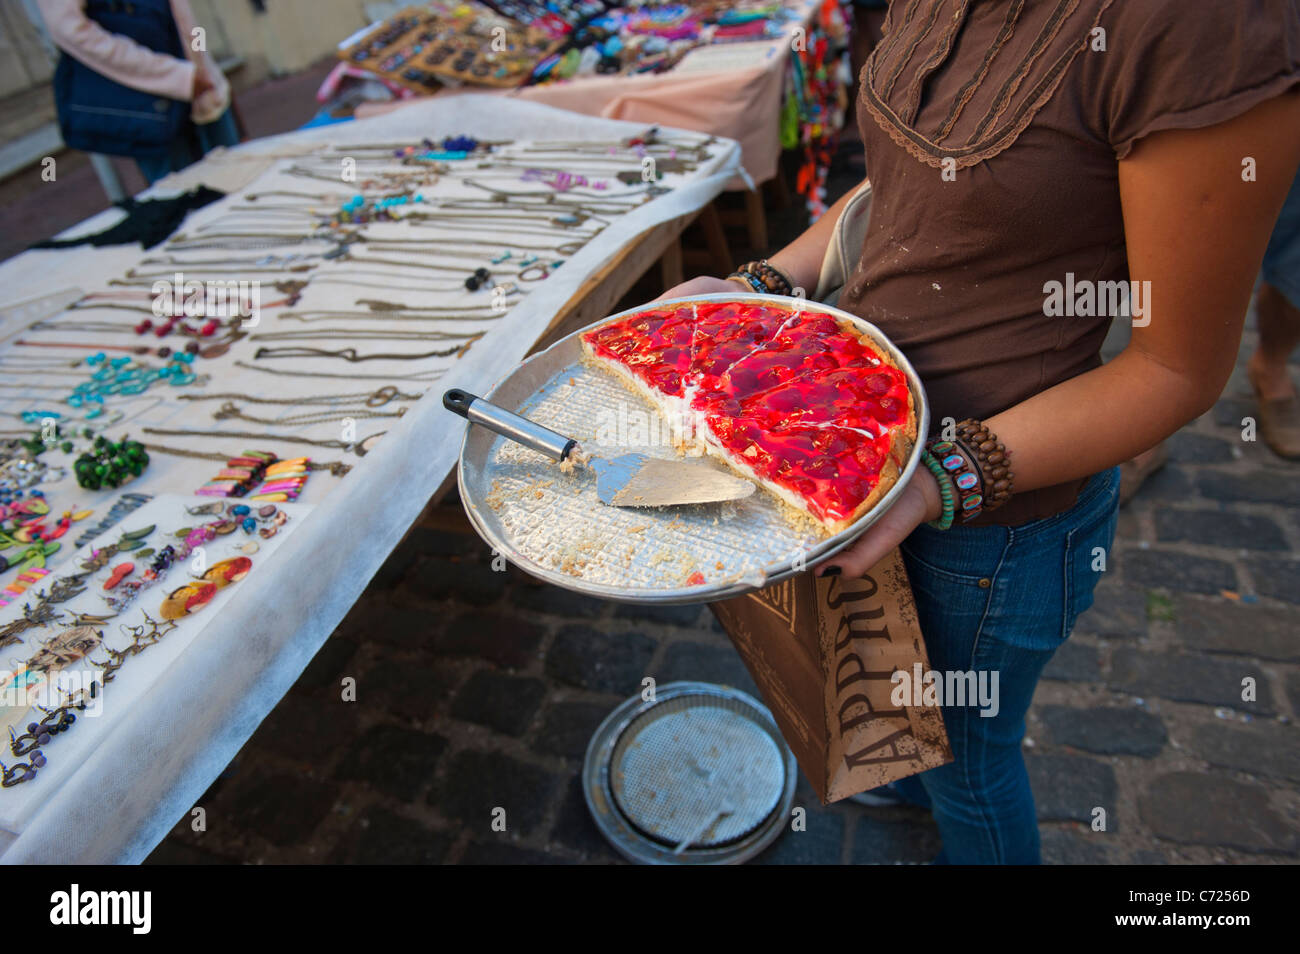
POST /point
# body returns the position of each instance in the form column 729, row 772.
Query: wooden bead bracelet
column 764, row 278
column 974, row 468
column 992, row 459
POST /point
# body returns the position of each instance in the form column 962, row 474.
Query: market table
column 154, row 757
column 734, row 90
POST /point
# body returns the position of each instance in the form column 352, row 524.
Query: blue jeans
column 1000, row 599
column 1281, row 267
column 192, row 144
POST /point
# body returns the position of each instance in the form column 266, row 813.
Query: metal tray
column 657, row 772
column 549, row 523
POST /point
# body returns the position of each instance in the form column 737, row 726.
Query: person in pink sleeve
column 136, row 79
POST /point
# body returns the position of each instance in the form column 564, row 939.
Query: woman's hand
column 202, row 82
column 918, row 503
column 704, row 285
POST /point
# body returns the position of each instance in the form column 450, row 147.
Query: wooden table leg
column 670, row 265
column 716, row 238
column 756, row 219
column 780, row 190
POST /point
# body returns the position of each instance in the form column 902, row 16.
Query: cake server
column 630, row 480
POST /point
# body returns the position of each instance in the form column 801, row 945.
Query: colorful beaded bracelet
column 946, row 493
column 110, row 463
column 752, row 281
column 966, row 480
column 765, row 278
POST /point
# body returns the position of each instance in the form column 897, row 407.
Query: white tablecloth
column 162, row 754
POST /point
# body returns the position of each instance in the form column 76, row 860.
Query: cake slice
column 802, row 403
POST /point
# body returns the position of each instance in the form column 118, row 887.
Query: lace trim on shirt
column 1007, row 122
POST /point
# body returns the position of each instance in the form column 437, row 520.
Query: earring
column 30, row 740
column 17, row 774
column 228, row 571
column 187, row 599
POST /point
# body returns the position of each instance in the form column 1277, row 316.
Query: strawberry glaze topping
column 804, row 403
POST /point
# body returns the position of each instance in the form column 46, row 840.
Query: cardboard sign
column 822, row 651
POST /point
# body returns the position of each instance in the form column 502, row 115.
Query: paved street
column 478, row 688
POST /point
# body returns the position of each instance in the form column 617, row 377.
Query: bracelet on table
column 764, row 278
column 991, row 458
column 946, row 492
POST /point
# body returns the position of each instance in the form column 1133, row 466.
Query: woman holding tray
column 1038, row 169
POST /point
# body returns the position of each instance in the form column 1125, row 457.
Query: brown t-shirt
column 992, row 130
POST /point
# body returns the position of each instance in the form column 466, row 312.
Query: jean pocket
column 1087, row 556
column 953, row 585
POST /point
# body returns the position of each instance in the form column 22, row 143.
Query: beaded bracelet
column 764, row 278
column 957, row 462
column 110, row 463
column 991, row 458
column 946, row 493
column 752, row 281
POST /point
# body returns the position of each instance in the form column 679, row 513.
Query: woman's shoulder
column 1183, row 64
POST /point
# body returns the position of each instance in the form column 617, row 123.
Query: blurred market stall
column 770, row 75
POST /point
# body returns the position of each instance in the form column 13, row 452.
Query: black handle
column 459, row 401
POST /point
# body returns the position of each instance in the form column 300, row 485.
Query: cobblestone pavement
column 477, row 688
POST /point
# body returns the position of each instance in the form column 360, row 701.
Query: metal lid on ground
column 698, row 775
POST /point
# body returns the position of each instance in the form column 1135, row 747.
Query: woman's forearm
column 1099, row 419
column 801, row 260
column 1195, row 232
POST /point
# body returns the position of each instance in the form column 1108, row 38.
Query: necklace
column 340, row 279
column 388, row 334
column 360, row 447
column 429, row 266
column 383, row 245
column 351, row 355
column 376, row 398
column 394, row 315
column 229, row 410
column 430, row 376
column 261, row 260
column 336, row 468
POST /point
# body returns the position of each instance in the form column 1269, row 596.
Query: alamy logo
column 1088, row 299
column 102, row 907
column 190, row 298
column 950, row 688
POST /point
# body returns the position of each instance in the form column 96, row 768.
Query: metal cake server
column 630, row 480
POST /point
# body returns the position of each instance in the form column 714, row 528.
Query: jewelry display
column 352, row 356
column 164, row 560
column 376, row 398
column 335, row 468
column 229, row 411
column 359, row 447
column 124, row 505
column 33, row 616
column 283, row 480
column 110, row 464
column 427, row 376
column 446, row 234
column 389, row 334
column 239, row 475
